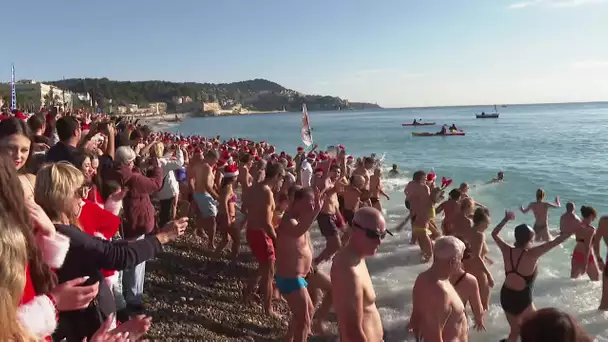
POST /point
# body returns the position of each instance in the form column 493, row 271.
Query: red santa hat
column 230, row 171
column 291, row 165
column 319, row 170
column 341, row 147
column 430, row 177
column 311, row 156
column 300, row 149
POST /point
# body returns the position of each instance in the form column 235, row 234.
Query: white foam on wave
column 395, row 268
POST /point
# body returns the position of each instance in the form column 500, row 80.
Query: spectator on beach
column 59, row 190
column 138, row 215
column 69, row 132
column 169, row 190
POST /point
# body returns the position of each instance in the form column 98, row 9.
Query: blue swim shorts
column 206, row 204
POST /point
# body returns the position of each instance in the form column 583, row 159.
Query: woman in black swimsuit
column 520, row 271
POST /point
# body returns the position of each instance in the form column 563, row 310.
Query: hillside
column 258, row 94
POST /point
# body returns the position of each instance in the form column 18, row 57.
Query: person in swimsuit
column 419, row 195
column 201, row 179
column 329, row 219
column 521, row 262
column 450, row 209
column 540, row 208
column 602, row 234
column 438, row 312
column 226, row 214
column 583, row 258
column 294, row 260
column 467, row 288
column 261, row 235
column 376, row 189
column 476, row 264
column 352, row 198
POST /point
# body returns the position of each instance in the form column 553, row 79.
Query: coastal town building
column 181, row 99
column 33, row 94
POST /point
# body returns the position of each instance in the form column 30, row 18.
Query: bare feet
column 274, row 314
column 319, row 328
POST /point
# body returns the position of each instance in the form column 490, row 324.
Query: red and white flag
column 306, row 134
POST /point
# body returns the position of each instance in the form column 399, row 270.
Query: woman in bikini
column 521, row 262
column 226, row 214
column 476, row 264
column 583, row 259
column 467, row 288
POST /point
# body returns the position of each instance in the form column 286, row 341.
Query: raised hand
column 509, row 215
column 42, row 223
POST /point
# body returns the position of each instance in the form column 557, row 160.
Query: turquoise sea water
column 559, row 147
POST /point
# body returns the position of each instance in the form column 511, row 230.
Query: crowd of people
column 88, row 199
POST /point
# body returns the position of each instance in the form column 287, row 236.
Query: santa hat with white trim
column 230, row 171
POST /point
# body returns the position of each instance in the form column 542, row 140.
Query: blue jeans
column 133, row 282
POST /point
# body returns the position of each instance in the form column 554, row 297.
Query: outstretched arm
column 509, row 216
column 525, row 210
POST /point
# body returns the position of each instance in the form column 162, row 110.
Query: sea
column 558, row 147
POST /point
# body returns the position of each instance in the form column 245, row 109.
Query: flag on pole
column 13, row 91
column 306, row 134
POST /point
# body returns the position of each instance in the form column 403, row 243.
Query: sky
column 396, row 53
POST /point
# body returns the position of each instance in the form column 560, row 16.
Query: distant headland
column 245, row 97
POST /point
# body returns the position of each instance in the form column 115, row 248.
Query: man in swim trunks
column 540, row 209
column 421, row 205
column 352, row 288
column 364, row 169
column 438, row 312
column 204, row 194
column 450, row 209
column 261, row 235
column 376, row 189
column 329, row 219
column 294, row 261
column 352, row 198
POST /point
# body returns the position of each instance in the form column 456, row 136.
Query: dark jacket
column 61, row 152
column 138, row 210
column 86, row 257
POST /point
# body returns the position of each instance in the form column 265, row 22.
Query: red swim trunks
column 261, row 245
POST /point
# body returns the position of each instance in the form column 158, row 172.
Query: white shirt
column 170, row 187
column 306, row 174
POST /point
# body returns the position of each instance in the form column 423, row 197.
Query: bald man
column 438, row 312
column 354, row 296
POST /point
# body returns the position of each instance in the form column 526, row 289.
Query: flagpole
column 13, row 91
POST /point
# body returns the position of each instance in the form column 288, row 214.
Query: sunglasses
column 372, row 233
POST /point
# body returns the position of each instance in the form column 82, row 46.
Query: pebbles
column 194, row 297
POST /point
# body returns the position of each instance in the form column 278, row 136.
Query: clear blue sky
column 394, row 52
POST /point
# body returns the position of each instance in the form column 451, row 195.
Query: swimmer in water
column 540, row 209
column 394, row 172
column 500, row 177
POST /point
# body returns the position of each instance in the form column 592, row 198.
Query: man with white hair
column 438, row 312
column 353, row 292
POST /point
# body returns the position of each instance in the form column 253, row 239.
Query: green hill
column 257, row 94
